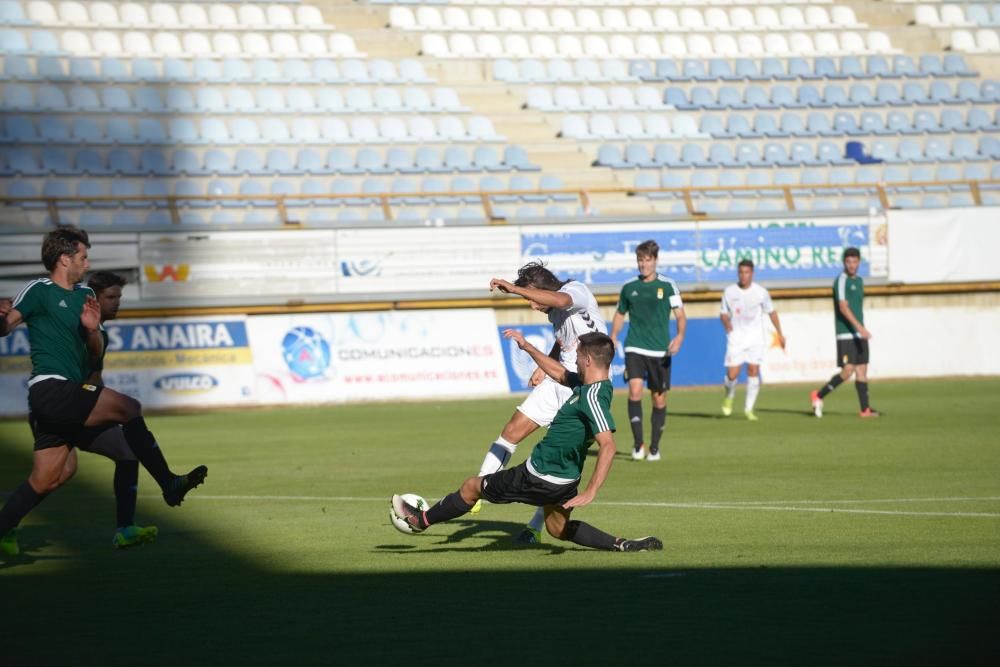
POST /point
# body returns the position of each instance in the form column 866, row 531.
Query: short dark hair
column 534, row 274
column 851, row 252
column 598, row 346
column 62, row 241
column 648, row 248
column 746, row 262
column 102, row 280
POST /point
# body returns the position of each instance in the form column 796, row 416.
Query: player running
column 649, row 300
column 744, row 305
column 550, row 477
column 63, row 320
column 572, row 310
column 852, row 336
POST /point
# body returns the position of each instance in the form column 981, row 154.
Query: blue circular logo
column 306, row 353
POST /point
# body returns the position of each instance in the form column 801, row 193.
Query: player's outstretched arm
column 10, row 317
column 605, row 456
column 543, row 296
column 547, row 364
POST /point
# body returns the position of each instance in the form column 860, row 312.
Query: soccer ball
column 411, row 499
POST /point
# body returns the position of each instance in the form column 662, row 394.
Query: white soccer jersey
column 580, row 318
column 746, row 309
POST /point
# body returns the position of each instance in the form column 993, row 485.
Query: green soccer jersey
column 851, row 290
column 648, row 305
column 560, row 455
column 58, row 341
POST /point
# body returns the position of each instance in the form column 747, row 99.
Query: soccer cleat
column 528, row 536
column 408, row 513
column 751, row 417
column 477, row 508
column 132, row 536
column 181, row 484
column 869, row 412
column 817, row 403
column 654, row 455
column 727, row 407
column 8, row 543
column 640, row 544
column 639, row 453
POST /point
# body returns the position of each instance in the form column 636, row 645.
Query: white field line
column 773, row 505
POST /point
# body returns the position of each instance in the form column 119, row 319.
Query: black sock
column 143, row 445
column 126, row 490
column 446, row 509
column 659, row 422
column 635, row 420
column 831, row 385
column 23, row 500
column 862, row 388
column 587, row 536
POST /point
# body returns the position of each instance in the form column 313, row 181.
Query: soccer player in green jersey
column 852, row 336
column 551, row 475
column 63, row 319
column 648, row 301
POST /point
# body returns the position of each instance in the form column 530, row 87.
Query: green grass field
column 789, row 541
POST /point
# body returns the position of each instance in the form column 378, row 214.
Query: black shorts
column 86, row 438
column 655, row 370
column 853, row 351
column 59, row 409
column 517, row 485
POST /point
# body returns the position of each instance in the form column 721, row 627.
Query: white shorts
column 544, row 401
column 738, row 354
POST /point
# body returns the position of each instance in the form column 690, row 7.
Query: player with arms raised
column 572, row 310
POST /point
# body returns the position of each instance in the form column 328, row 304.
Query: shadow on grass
column 193, row 601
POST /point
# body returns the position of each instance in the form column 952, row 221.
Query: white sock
column 753, row 387
column 497, row 456
column 538, row 520
column 730, row 387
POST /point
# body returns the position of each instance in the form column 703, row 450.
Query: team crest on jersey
column 659, row 293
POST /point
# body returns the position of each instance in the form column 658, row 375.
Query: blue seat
column 182, row 131
column 220, row 163
column 703, row 98
column 637, row 155
column 903, row 66
column 844, row 123
column 989, row 91
column 850, row 66
column 930, row 65
column 17, row 96
column 486, row 158
column 57, row 188
column 370, row 161
column 695, row 70
column 793, row 125
column 57, row 162
column 666, row 70
column 553, row 182
column 925, row 121
column 899, row 122
column 278, row 161
column 954, row 65
column 888, row 93
column 834, row 95
column 241, row 131
column 185, row 162
column 521, row 182
column 908, row 150
column 428, row 160
column 861, row 95
column 12, row 41
column 153, row 161
column 914, row 93
column 748, row 155
column 457, row 158
column 818, row 123
column 737, row 125
column 803, row 153
column 871, row 122
column 150, row 131
column 250, row 189
column 747, row 68
column 730, row 98
column 721, row 70
column 148, row 99
column 676, row 97
column 782, row 96
column 764, row 124
column 609, row 155
column 145, row 70
column 935, row 150
column 53, row 129
column 826, row 68
column 247, row 162
column 18, row 68
column 43, row 41
column 799, row 68
column 310, row 161
column 666, row 155
column 941, row 93
column 963, row 150
column 516, row 157
column 265, row 69
column 693, row 155
column 828, row 152
column 774, row 69
column 775, row 154
column 23, row 162
column 122, row 163
column 640, row 69
column 808, row 96
column 755, row 96
column 878, row 66
column 975, row 120
column 156, row 187
column 712, row 126
column 340, row 161
column 732, row 178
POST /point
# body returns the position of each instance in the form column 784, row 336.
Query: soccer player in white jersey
column 743, row 308
column 573, row 312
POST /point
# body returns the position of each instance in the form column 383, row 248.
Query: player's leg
column 729, row 382
column 861, row 385
column 753, row 388
column 48, row 467
column 110, row 443
column 560, row 526
column 519, row 427
column 846, row 365
column 450, row 507
column 635, row 374
column 658, row 372
column 113, row 407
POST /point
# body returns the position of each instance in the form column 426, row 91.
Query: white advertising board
column 376, row 355
column 944, row 245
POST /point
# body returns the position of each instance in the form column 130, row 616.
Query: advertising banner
column 376, row 355
column 706, row 252
column 176, row 362
column 944, row 245
column 699, row 361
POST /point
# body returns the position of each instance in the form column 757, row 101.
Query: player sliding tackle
column 549, row 478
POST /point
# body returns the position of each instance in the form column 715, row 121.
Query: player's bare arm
column 547, row 364
column 90, row 320
column 678, row 340
column 727, row 322
column 540, row 296
column 10, row 317
column 845, row 310
column 538, row 375
column 777, row 328
column 605, row 456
